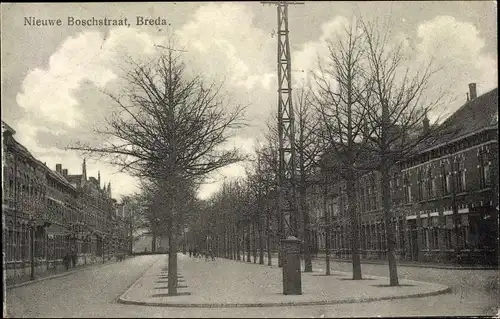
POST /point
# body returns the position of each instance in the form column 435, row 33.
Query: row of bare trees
column 364, row 109
column 361, row 111
column 170, row 130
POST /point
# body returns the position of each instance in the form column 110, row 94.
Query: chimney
column 65, row 172
column 472, row 91
column 426, row 125
column 59, row 168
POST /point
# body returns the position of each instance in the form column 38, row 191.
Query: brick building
column 53, row 212
column 444, row 197
column 24, row 198
column 97, row 222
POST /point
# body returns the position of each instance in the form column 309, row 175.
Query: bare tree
column 136, row 217
column 171, row 130
column 342, row 115
column 396, row 114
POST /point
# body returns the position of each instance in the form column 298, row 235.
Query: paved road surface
column 93, row 293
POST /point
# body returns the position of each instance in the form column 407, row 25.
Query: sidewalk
column 51, row 274
column 227, row 283
column 403, row 263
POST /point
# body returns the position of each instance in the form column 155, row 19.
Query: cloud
column 458, row 49
column 315, row 51
column 455, row 47
column 224, row 43
column 63, row 101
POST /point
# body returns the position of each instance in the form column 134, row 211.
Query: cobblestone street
column 94, row 292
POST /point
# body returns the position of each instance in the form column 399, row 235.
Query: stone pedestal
column 292, row 281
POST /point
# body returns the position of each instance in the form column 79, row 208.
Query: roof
column 24, row 152
column 61, row 179
column 474, row 116
column 7, row 128
column 74, row 178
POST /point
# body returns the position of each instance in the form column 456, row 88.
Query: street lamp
column 32, row 239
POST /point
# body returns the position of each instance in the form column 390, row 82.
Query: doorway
column 413, row 238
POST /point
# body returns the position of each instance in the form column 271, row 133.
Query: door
column 412, row 228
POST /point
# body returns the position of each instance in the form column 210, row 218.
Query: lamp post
column 32, row 239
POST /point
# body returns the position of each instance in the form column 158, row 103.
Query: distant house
column 144, row 241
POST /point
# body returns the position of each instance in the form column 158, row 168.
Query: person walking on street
column 66, row 260
column 73, row 257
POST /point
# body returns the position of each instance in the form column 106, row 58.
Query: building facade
column 444, row 198
column 50, row 215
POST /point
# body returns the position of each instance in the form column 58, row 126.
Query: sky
column 53, row 76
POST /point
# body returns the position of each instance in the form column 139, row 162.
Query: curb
column 419, row 265
column 122, row 299
column 58, row 275
column 281, row 304
column 119, row 299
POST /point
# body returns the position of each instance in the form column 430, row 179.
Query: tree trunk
column 327, row 225
column 254, row 243
column 172, row 264
column 248, row 244
column 238, row 246
column 261, row 241
column 389, row 227
column 281, row 229
column 153, row 242
column 351, row 200
column 306, row 229
column 268, row 238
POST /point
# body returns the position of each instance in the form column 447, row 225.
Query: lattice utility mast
column 287, row 206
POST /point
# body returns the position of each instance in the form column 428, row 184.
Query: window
column 23, row 243
column 430, row 182
column 420, row 185
column 407, row 187
column 448, row 232
column 393, row 186
column 435, row 232
column 374, row 198
column 484, row 169
column 461, row 187
column 10, row 244
column 446, row 179
column 362, row 199
column 374, row 237
column 39, row 243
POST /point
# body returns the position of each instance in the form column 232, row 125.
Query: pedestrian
column 73, row 257
column 190, row 252
column 212, row 254
column 66, row 260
